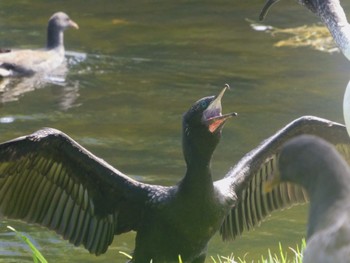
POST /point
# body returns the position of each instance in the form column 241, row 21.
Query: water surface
column 136, row 66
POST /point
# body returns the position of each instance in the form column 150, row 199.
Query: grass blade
column 37, row 256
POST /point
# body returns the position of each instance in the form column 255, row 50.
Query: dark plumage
column 49, row 179
column 28, row 62
column 317, row 166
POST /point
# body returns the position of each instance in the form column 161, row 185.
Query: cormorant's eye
column 204, row 104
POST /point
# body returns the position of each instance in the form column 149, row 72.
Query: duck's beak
column 213, row 117
column 73, row 24
column 271, row 183
column 266, row 8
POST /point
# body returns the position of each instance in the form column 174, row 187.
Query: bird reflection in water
column 12, row 89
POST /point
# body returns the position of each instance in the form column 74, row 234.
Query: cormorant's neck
column 327, row 199
column 197, row 179
column 198, row 154
column 54, row 37
column 333, row 16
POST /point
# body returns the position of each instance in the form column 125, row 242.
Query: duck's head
column 61, row 21
column 57, row 24
column 202, row 126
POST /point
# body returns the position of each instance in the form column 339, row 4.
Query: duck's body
column 28, row 62
column 49, row 179
column 315, row 165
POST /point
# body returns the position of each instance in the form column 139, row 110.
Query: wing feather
column 246, row 178
column 49, row 179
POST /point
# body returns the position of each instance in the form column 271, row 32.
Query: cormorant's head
column 312, row 5
column 297, row 162
column 202, row 125
column 312, row 163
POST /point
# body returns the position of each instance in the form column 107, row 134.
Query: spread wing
column 245, row 180
column 49, row 179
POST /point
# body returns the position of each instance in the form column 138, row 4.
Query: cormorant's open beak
column 266, row 8
column 213, row 117
column 271, row 183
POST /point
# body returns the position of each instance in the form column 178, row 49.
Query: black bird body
column 174, row 225
column 49, row 179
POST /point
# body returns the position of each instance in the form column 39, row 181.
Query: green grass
column 37, row 256
column 281, row 257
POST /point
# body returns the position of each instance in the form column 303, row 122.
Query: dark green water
column 140, row 65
